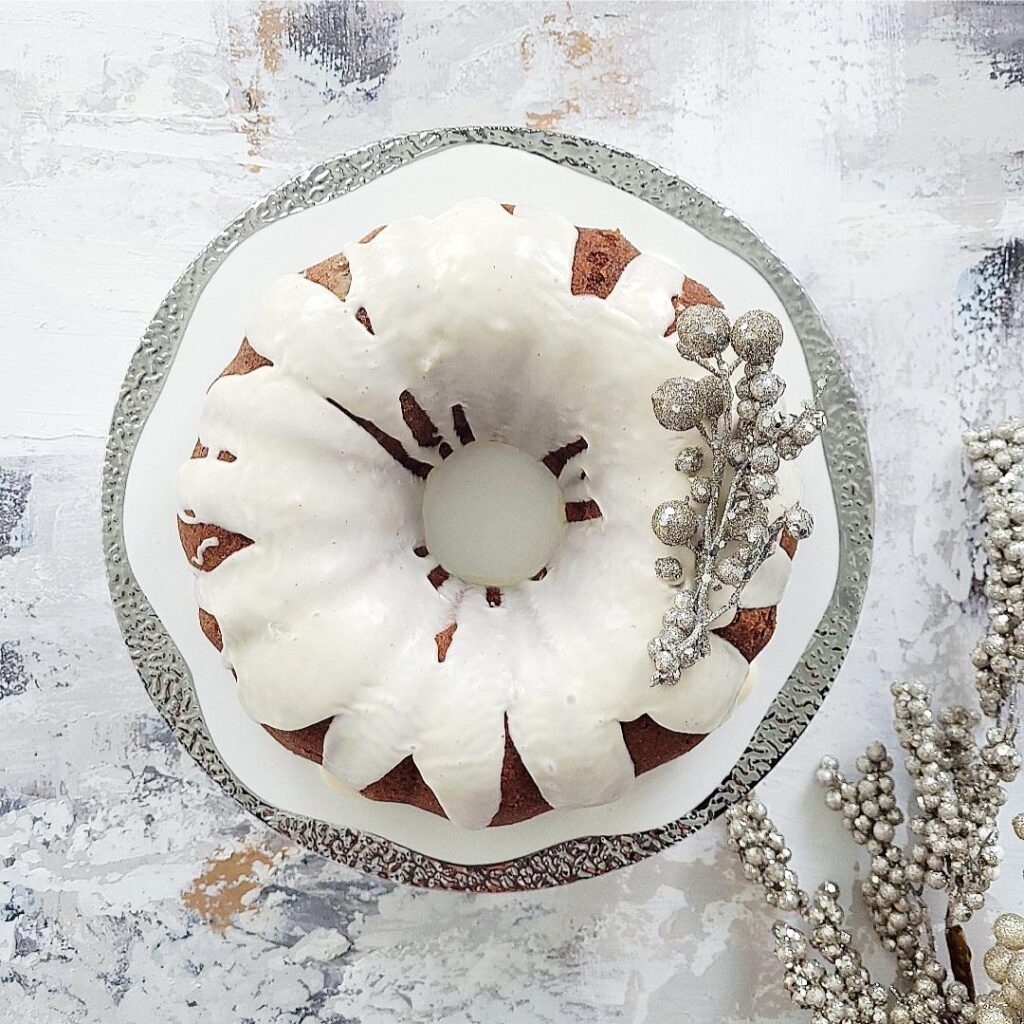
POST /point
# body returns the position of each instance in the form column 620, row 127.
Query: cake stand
column 196, row 331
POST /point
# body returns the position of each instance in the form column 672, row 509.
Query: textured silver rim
column 167, row 677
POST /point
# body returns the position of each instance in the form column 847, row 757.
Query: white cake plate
column 197, row 331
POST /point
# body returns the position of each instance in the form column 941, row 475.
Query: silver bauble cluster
column 724, row 519
column 960, row 763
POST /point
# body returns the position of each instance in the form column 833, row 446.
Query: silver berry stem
column 740, row 428
column 714, row 539
column 760, row 554
column 723, row 425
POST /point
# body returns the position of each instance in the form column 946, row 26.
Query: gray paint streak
column 996, row 300
column 15, row 487
column 356, row 43
column 14, row 676
column 996, row 30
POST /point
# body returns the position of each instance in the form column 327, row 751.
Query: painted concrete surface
column 878, row 148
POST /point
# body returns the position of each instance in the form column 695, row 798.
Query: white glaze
column 329, row 613
column 201, row 548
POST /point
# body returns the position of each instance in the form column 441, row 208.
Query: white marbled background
column 879, row 149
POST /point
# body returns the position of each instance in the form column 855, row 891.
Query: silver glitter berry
column 763, row 485
column 764, row 460
column 677, row 404
column 674, row 522
column 787, row 448
column 799, row 523
column 669, row 569
column 739, row 524
column 737, row 453
column 767, row 387
column 730, row 571
column 713, row 396
column 689, row 460
column 756, row 336
column 703, row 332
column 700, row 490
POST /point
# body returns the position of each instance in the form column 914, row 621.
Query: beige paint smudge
column 255, row 123
column 574, row 43
column 219, row 893
column 603, row 88
column 269, row 30
column 551, row 118
column 526, row 51
column 254, row 47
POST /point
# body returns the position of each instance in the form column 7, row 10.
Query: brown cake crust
column 211, row 628
column 750, row 630
column 192, row 535
column 693, row 293
column 246, row 360
column 599, row 259
column 307, row 743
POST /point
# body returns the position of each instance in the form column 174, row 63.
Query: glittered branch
column 823, row 971
column 893, row 890
column 960, row 782
column 997, row 460
column 724, row 521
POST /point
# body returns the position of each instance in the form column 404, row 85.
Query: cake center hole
column 492, row 514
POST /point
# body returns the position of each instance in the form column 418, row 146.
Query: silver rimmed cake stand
column 168, row 679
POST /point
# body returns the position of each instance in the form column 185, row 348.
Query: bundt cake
column 487, row 696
